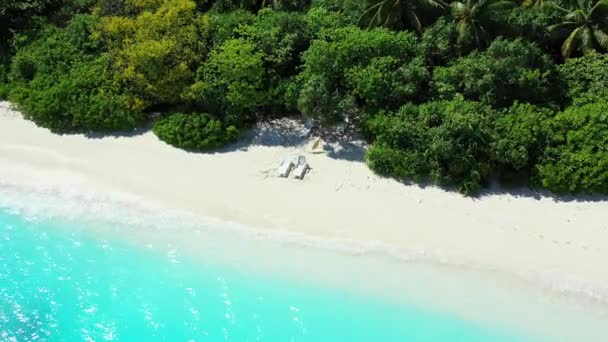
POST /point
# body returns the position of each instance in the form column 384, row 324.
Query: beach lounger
column 301, row 167
column 306, row 129
column 285, row 167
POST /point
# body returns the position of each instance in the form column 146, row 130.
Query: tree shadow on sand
column 294, row 133
column 343, row 145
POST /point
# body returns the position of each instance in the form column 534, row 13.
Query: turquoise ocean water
column 60, row 284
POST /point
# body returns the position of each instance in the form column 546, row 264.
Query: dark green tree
column 584, row 26
column 474, row 19
column 398, row 13
column 507, row 71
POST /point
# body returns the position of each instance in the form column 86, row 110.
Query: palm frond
column 577, row 16
column 414, row 20
column 555, row 5
column 586, row 38
column 601, row 38
column 599, row 12
column 501, row 5
column 570, row 43
column 464, row 33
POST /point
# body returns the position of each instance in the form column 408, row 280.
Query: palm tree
column 474, row 17
column 585, row 26
column 395, row 12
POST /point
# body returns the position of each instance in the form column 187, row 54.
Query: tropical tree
column 393, row 13
column 585, row 26
column 474, row 18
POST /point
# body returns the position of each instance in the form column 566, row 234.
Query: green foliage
column 281, row 37
column 439, row 42
column 83, row 99
column 584, row 26
column 577, row 159
column 522, row 133
column 530, row 23
column 586, row 76
column 230, row 84
column 397, row 13
column 350, row 10
column 63, row 81
column 196, row 131
column 155, row 52
column 351, row 68
column 320, row 21
column 507, row 71
column 256, row 5
column 3, row 82
column 474, row 18
column 224, row 26
column 447, row 142
column 16, row 14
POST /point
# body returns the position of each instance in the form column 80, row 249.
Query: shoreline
column 339, row 204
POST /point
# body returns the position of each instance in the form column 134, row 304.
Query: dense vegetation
column 458, row 93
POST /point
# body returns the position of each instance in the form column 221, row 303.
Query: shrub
column 156, row 52
column 530, row 23
column 224, row 26
column 3, row 82
column 440, row 42
column 230, row 84
column 83, row 99
column 63, row 81
column 577, row 159
column 197, row 131
column 507, row 71
column 321, row 21
column 447, row 142
column 352, row 67
column 586, row 76
column 522, row 133
column 255, row 5
column 281, row 37
column 350, row 10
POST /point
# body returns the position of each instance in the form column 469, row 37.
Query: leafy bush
column 320, row 21
column 447, row 142
column 230, row 84
column 63, row 81
column 530, row 23
column 197, row 131
column 440, row 42
column 281, row 36
column 522, row 133
column 83, row 99
column 507, row 71
column 350, row 10
column 586, row 76
column 256, row 5
column 3, row 83
column 577, row 159
column 352, row 67
column 155, row 53
column 224, row 26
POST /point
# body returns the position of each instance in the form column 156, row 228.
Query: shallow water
column 60, row 284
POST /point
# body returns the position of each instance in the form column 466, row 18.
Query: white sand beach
column 340, row 199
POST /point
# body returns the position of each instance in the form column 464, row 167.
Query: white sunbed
column 301, row 167
column 285, row 167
